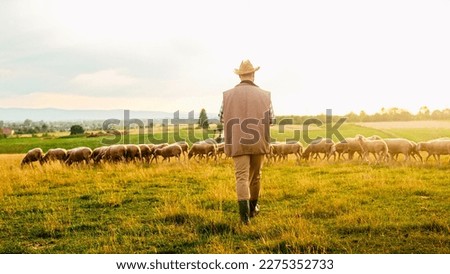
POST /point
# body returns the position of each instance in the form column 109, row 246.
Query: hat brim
column 239, row 72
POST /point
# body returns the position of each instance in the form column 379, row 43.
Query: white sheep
column 377, row 147
column 283, row 150
column 321, row 145
column 398, row 146
column 435, row 148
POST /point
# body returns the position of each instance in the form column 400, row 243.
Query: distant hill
column 53, row 114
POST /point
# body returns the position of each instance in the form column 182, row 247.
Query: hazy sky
column 180, row 55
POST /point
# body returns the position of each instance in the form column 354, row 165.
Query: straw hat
column 245, row 68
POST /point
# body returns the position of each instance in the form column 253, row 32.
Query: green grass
column 187, row 208
column 190, row 207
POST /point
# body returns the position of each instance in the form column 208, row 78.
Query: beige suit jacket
column 246, row 117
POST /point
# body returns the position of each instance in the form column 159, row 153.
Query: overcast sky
column 180, row 55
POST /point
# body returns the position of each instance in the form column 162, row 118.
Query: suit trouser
column 248, row 175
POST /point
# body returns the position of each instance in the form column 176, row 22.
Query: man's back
column 246, row 117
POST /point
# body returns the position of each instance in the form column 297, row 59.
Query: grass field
column 190, row 207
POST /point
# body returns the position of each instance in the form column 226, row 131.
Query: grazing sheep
column 98, row 154
column 116, row 153
column 77, row 155
column 322, row 145
column 55, row 154
column 133, row 153
column 203, row 149
column 33, row 155
column 377, row 147
column 435, row 148
column 173, row 150
column 146, row 152
column 398, row 146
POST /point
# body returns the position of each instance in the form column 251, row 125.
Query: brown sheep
column 184, row 146
column 99, row 153
column 77, row 155
column 115, row 153
column 203, row 149
column 33, row 155
column 173, row 150
column 146, row 152
column 55, row 154
column 153, row 148
column 133, row 153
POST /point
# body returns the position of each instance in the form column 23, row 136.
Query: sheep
column 221, row 150
column 33, row 155
column 98, row 154
column 173, row 150
column 435, row 148
column 377, row 147
column 274, row 152
column 78, row 154
column 282, row 150
column 203, row 148
column 321, row 145
column 146, row 152
column 153, row 148
column 415, row 151
column 55, row 154
column 351, row 147
column 341, row 148
column 184, row 146
column 133, row 152
column 400, row 145
column 115, row 153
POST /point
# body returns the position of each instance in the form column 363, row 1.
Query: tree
column 203, row 119
column 76, row 129
column 424, row 113
column 27, row 123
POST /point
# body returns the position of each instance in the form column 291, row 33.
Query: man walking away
column 246, row 115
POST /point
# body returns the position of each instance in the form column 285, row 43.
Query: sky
column 180, row 55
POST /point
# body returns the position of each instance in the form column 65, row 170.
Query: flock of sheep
column 382, row 150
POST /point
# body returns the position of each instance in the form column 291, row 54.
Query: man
column 246, row 116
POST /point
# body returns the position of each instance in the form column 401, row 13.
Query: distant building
column 7, row 131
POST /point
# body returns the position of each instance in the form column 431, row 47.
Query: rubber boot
column 244, row 211
column 254, row 208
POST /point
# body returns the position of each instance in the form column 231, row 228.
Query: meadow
column 190, row 207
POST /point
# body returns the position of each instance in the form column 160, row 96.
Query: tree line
column 385, row 114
